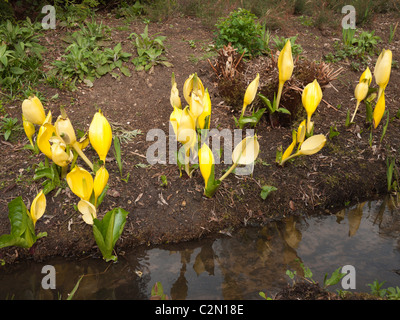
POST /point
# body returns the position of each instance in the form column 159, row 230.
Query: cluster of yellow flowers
column 196, row 116
column 58, row 142
column 382, row 72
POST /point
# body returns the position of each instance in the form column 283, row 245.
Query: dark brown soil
column 346, row 170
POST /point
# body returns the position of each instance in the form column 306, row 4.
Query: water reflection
column 366, row 236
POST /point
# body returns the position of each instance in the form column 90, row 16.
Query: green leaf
column 266, row 190
column 117, row 149
column 17, row 70
column 108, row 230
column 336, row 276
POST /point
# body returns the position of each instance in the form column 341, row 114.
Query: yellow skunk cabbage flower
column 301, row 132
column 46, row 131
column 311, row 97
column 186, row 128
column 312, row 145
column 100, row 135
column 32, row 110
column 308, row 147
column 65, row 130
column 250, row 93
column 29, row 129
column 59, row 154
column 174, row 118
column 201, row 120
column 246, row 152
column 174, row 99
column 206, row 163
column 192, row 84
column 366, row 75
column 379, row 110
column 290, row 149
column 83, row 142
column 80, row 182
column 87, row 210
column 285, row 66
column 100, row 182
column 38, row 207
column 196, row 105
column 382, row 70
column 360, row 92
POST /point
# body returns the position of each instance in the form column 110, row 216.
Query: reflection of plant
column 149, row 50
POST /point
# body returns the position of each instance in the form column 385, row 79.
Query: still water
column 232, row 266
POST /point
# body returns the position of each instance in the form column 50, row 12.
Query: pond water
column 232, row 266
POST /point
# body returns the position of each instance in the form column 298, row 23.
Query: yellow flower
column 311, row 97
column 246, row 152
column 174, row 118
column 29, row 129
column 250, row 93
column 58, row 153
column 289, row 150
column 174, row 99
column 186, row 129
column 308, row 147
column 80, row 182
column 100, row 135
column 196, row 105
column 366, row 75
column 382, row 70
column 312, row 145
column 83, row 142
column 100, row 182
column 32, row 110
column 360, row 92
column 38, row 207
column 87, row 210
column 46, row 131
column 65, row 130
column 379, row 110
column 201, row 120
column 285, row 62
column 192, row 84
column 301, row 132
column 206, row 163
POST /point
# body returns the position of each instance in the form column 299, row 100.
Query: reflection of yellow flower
column 80, row 182
column 38, row 207
column 100, row 135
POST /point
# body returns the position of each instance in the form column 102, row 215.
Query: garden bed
column 347, row 170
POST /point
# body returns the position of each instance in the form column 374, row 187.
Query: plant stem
column 82, row 155
column 228, row 172
column 278, row 98
column 64, row 171
column 355, row 111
